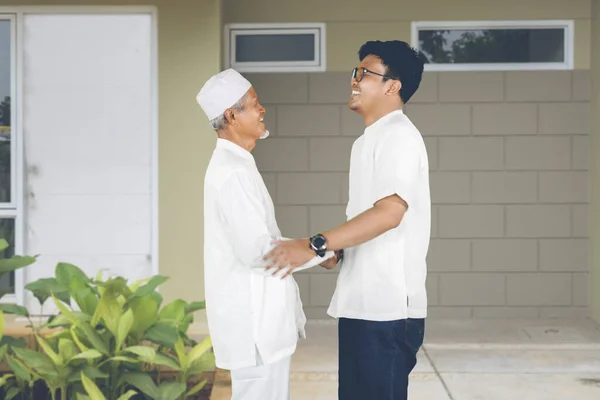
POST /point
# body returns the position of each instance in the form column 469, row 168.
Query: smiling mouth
column 355, row 93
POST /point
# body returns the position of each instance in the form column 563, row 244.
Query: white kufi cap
column 221, row 92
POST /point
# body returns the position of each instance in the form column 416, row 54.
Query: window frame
column 569, row 43
column 319, row 64
column 14, row 209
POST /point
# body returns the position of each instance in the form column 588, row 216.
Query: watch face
column 318, row 241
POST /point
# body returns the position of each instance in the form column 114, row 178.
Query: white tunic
column 384, row 278
column 247, row 309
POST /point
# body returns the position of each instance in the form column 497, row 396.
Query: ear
column 229, row 116
column 394, row 87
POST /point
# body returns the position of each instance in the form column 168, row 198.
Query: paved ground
column 470, row 360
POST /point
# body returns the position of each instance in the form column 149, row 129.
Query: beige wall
column 509, row 184
column 352, row 22
column 595, row 164
column 189, row 42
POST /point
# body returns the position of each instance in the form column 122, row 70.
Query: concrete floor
column 470, row 360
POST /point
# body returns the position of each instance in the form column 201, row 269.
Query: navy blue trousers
column 375, row 358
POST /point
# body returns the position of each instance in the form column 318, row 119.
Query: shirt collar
column 383, row 119
column 230, row 146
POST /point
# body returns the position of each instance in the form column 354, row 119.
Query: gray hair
column 220, row 122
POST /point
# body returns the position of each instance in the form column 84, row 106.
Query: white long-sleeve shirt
column 248, row 310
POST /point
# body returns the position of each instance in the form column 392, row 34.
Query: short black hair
column 402, row 62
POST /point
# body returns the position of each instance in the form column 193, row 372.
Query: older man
column 254, row 319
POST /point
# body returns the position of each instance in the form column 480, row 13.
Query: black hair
column 401, row 61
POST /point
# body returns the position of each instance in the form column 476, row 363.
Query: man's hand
column 289, row 254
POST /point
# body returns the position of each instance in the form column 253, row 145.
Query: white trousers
column 262, row 382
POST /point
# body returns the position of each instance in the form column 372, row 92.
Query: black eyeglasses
column 358, row 73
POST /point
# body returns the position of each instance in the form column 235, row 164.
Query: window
column 275, row 47
column 10, row 200
column 495, row 45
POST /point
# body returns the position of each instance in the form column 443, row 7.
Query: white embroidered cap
column 221, row 92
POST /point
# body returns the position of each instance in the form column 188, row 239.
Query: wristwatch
column 318, row 244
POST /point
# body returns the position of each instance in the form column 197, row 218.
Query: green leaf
column 21, row 371
column 85, row 297
column 135, row 285
column 156, row 297
column 143, row 382
column 163, row 334
column 185, row 323
column 13, row 342
column 14, row 263
column 174, row 311
column 195, row 306
column 67, row 273
column 147, row 354
column 83, row 348
column 43, row 288
column 200, row 349
column 3, row 350
column 180, row 350
column 37, row 361
column 167, row 361
column 14, row 309
column 151, row 286
column 196, row 388
column 3, row 244
column 145, row 314
column 171, row 390
column 89, row 332
column 127, row 395
column 2, row 322
column 90, row 372
column 56, row 359
column 124, row 359
column 91, row 388
column 203, row 364
column 124, row 326
column 109, row 311
column 117, row 285
column 12, row 393
column 82, row 397
column 66, row 348
column 59, row 320
column 5, row 379
column 87, row 355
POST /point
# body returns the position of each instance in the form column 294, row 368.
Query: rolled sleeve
column 397, row 163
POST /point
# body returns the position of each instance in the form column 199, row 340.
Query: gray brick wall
column 508, row 157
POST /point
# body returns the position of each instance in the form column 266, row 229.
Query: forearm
column 360, row 229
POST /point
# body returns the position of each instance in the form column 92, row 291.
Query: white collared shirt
column 384, row 279
column 248, row 310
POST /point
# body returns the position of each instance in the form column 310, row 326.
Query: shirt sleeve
column 397, row 163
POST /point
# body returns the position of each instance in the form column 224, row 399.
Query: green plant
column 111, row 341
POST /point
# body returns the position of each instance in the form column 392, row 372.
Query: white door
column 88, row 125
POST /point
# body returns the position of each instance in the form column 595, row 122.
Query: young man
column 380, row 298
column 254, row 319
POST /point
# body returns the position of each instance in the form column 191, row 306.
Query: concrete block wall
column 509, row 182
